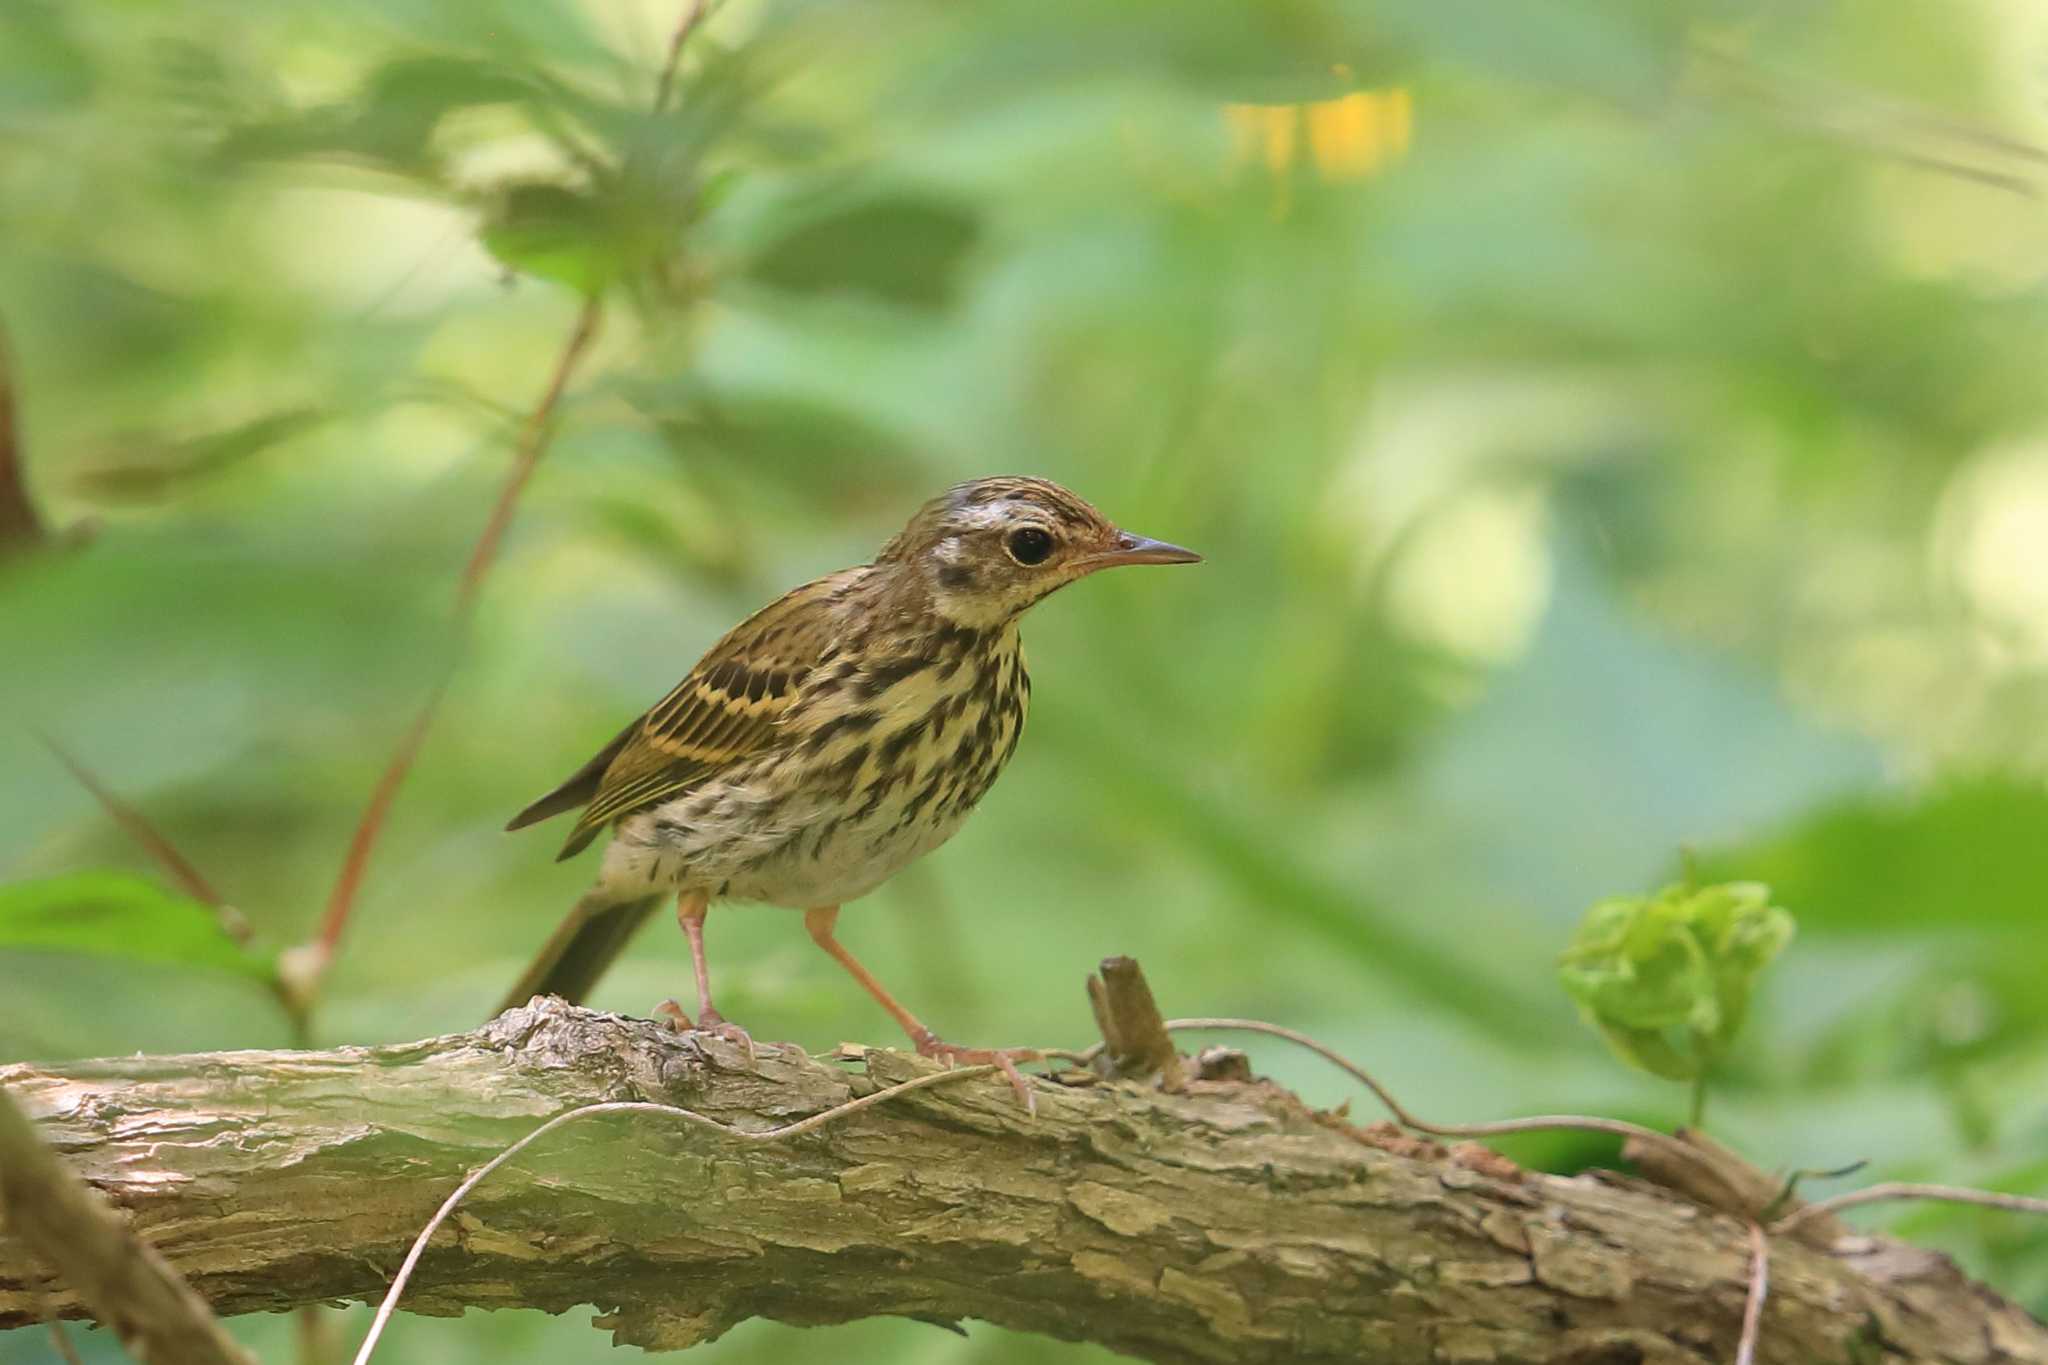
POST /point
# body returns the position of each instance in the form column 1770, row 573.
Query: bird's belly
column 870, row 789
column 738, row 843
column 743, row 845
column 847, row 858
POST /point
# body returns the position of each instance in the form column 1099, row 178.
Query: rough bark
column 1222, row 1222
column 119, row 1278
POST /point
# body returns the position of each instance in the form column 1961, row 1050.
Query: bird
column 832, row 738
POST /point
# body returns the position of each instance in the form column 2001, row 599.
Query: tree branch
column 1225, row 1222
column 124, row 1282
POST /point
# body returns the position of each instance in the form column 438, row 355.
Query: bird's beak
column 1130, row 549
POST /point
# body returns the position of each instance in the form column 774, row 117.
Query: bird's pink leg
column 821, row 923
column 691, row 907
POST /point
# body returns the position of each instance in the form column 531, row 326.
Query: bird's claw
column 1004, row 1059
column 711, row 1022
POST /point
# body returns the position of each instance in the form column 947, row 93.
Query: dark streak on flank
column 848, row 768
column 894, row 747
column 882, row 676
column 852, row 723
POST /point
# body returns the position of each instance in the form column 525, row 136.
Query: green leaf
column 1634, row 965
column 584, row 238
column 906, row 250
column 393, row 121
column 114, row 914
column 555, row 233
column 1741, row 933
column 1967, row 854
column 1650, row 1050
column 1666, row 979
column 1951, row 877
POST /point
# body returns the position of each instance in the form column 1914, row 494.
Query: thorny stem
column 534, row 438
column 301, row 978
column 341, row 900
column 692, row 16
column 136, row 826
column 18, row 522
column 157, row 844
column 476, row 1177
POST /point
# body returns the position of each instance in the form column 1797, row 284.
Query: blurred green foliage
column 122, row 916
column 1652, row 457
column 1667, row 979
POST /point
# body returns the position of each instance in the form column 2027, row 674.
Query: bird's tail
column 580, row 950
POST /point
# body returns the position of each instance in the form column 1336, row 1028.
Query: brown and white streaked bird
column 830, row 739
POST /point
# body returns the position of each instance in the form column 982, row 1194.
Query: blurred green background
column 1617, row 434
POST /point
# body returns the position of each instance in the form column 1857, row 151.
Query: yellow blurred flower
column 1347, row 138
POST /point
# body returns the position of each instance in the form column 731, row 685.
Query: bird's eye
column 1030, row 545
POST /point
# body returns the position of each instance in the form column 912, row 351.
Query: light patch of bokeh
column 1444, row 495
column 1981, row 222
column 1476, row 576
column 371, row 250
column 1991, row 542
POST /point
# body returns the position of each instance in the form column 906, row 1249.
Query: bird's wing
column 729, row 707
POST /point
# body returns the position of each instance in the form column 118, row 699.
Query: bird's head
column 989, row 548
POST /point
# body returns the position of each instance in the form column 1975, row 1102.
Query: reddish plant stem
column 137, row 826
column 18, row 524
column 232, row 922
column 692, row 16
column 341, row 900
column 534, row 438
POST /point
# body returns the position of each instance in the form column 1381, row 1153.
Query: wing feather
column 729, row 708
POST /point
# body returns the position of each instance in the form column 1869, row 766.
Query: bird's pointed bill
column 1130, row 549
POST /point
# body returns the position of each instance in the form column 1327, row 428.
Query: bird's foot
column 1004, row 1059
column 709, row 1021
